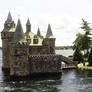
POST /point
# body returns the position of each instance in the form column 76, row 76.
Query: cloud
column 63, row 15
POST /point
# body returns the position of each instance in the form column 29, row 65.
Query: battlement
column 45, row 63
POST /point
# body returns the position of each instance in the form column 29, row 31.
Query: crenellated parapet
column 45, row 63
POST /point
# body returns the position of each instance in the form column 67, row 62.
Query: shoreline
column 80, row 66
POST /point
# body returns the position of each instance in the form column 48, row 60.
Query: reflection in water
column 70, row 81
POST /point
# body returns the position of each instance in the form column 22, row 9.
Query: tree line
column 63, row 47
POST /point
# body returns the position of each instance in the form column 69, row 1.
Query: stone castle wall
column 50, row 43
column 45, row 64
column 19, row 60
column 22, row 63
column 48, row 47
column 38, row 50
column 7, row 37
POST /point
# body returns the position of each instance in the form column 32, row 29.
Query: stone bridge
column 67, row 60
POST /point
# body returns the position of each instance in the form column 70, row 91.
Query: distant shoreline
column 63, row 47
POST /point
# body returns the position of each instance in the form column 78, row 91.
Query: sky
column 63, row 15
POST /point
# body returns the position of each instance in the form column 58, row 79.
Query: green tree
column 77, row 56
column 78, row 42
column 86, row 39
column 90, row 58
column 83, row 41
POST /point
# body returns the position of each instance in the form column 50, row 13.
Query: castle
column 28, row 53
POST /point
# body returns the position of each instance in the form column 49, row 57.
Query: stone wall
column 19, row 65
column 38, row 50
column 44, row 64
column 6, row 37
column 22, row 63
column 50, row 43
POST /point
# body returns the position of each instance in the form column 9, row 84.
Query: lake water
column 66, row 53
column 70, row 81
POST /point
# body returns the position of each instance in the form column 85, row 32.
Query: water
column 70, row 81
column 66, row 53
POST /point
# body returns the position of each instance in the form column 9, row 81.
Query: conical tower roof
column 28, row 22
column 49, row 32
column 9, row 18
column 28, row 26
column 38, row 33
column 19, row 35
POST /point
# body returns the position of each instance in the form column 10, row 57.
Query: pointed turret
column 19, row 35
column 9, row 18
column 28, row 26
column 9, row 23
column 38, row 33
column 28, row 22
column 49, row 32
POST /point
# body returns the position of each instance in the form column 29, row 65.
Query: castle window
column 28, row 39
column 35, row 40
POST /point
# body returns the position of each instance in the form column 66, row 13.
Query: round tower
column 19, row 53
column 7, row 37
column 50, row 40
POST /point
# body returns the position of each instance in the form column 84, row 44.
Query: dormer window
column 28, row 39
column 35, row 40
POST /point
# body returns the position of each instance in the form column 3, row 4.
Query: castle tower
column 28, row 26
column 7, row 37
column 19, row 53
column 50, row 40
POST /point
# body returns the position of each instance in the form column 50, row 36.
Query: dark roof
column 38, row 33
column 19, row 34
column 9, row 18
column 49, row 32
column 28, row 22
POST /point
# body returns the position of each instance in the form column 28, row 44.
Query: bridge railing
column 64, row 66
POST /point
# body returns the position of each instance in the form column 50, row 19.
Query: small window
column 28, row 39
column 35, row 40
